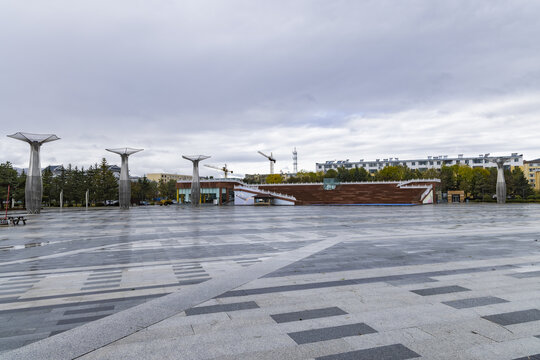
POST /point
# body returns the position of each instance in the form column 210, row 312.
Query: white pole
column 12, row 203
column 61, row 199
column 87, row 193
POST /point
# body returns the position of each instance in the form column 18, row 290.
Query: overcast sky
column 335, row 79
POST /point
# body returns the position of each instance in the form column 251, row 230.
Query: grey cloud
column 230, row 78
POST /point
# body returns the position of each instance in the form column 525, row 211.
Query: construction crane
column 272, row 160
column 295, row 161
column 225, row 170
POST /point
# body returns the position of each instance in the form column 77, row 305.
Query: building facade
column 431, row 162
column 157, row 177
column 531, row 169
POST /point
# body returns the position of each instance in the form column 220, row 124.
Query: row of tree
column 98, row 180
column 478, row 183
column 102, row 185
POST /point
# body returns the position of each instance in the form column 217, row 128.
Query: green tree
column 331, row 174
column 521, row 185
column 343, row 175
column 47, row 179
column 167, row 189
column 447, row 179
column 360, row 174
column 396, row 173
column 103, row 182
column 480, row 183
column 464, row 177
column 8, row 177
column 274, row 179
column 431, row 174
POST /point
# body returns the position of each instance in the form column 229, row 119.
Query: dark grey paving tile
column 389, row 352
column 89, row 310
column 15, row 299
column 474, row 302
column 12, row 292
column 524, row 275
column 530, row 357
column 12, row 287
column 10, row 299
column 18, row 341
column 80, row 320
column 193, row 277
column 307, row 314
column 100, row 277
column 188, row 271
column 57, row 332
column 412, row 280
column 347, row 282
column 440, row 290
column 192, row 281
column 108, row 281
column 47, row 308
column 329, row 333
column 222, row 308
column 23, row 281
column 103, row 286
column 26, row 282
column 514, row 317
column 283, row 288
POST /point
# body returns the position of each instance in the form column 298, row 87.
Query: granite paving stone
column 514, row 317
column 329, row 333
column 315, row 271
column 389, row 352
column 474, row 302
column 439, row 290
column 222, row 308
column 307, row 314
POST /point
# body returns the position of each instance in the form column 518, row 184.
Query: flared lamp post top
column 195, row 157
column 124, row 151
column 500, row 160
column 33, row 138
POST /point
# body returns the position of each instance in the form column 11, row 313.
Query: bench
column 16, row 219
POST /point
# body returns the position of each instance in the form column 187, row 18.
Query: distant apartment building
column 431, row 162
column 531, row 170
column 167, row 177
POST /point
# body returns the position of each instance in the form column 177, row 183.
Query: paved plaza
column 305, row 282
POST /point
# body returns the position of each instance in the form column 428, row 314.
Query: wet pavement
column 73, row 269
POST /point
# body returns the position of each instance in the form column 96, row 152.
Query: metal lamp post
column 33, row 190
column 124, row 184
column 195, row 181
